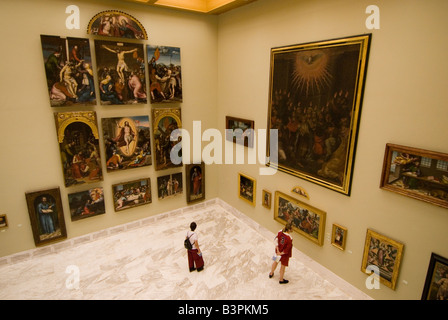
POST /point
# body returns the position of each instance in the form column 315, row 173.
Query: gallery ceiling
column 203, row 6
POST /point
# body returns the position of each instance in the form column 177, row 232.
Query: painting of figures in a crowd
column 165, row 74
column 46, row 216
column 121, row 72
column 169, row 185
column 132, row 194
column 164, row 122
column 315, row 103
column 68, row 68
column 306, row 220
column 78, row 143
column 116, row 24
column 127, row 142
column 86, row 203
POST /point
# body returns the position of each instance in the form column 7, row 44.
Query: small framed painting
column 170, row 185
column 132, row 194
column 338, row 236
column 436, row 283
column 46, row 216
column 195, row 181
column 240, row 131
column 266, row 198
column 247, row 188
column 86, row 203
column 116, row 24
column 3, row 221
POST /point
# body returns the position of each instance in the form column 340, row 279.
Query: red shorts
column 284, row 260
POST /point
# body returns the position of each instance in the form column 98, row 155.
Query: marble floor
column 145, row 260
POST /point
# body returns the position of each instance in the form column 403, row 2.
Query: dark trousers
column 195, row 261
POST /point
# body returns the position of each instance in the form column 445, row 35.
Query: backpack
column 187, row 243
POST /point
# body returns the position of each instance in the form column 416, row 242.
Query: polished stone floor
column 145, row 260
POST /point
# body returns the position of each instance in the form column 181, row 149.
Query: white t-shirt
column 193, row 238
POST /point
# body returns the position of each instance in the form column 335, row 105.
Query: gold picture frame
column 339, row 236
column 247, row 188
column 383, row 253
column 266, row 199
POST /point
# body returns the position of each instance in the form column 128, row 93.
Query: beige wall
column 225, row 63
column 404, row 103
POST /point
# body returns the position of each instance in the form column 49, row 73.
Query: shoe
column 271, row 275
column 284, row 281
column 200, row 269
column 192, row 269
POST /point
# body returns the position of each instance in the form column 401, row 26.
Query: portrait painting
column 416, row 173
column 131, row 194
column 339, row 236
column 240, row 131
column 78, row 139
column 266, row 198
column 46, row 216
column 165, row 74
column 315, row 99
column 436, row 284
column 169, row 185
column 121, row 72
column 165, row 122
column 306, row 220
column 247, row 188
column 68, row 69
column 85, row 204
column 383, row 253
column 195, row 182
column 116, row 24
column 127, row 142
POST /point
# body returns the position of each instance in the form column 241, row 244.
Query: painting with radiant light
column 315, row 103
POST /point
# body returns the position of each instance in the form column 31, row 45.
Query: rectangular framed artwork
column 266, row 198
column 307, row 220
column 132, row 194
column 242, row 131
column 87, row 203
column 436, row 283
column 169, row 185
column 195, row 181
column 247, row 188
column 416, row 173
column 315, row 99
column 338, row 236
column 46, row 216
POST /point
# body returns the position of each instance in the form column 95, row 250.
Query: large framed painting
column 131, row 194
column 240, row 131
column 169, row 185
column 195, row 182
column 165, row 74
column 164, row 123
column 121, row 71
column 79, row 146
column 315, row 99
column 247, row 188
column 117, row 24
column 306, row 220
column 68, row 69
column 416, row 173
column 383, row 253
column 46, row 216
column 87, row 203
column 127, row 142
column 436, row 284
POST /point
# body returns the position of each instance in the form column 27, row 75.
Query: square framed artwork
column 315, row 99
column 240, row 131
column 306, row 220
column 338, row 236
column 416, row 173
column 195, row 181
column 46, row 216
column 266, row 199
column 87, row 203
column 436, row 283
column 132, row 194
column 169, row 185
column 383, row 253
column 247, row 188
column 127, row 141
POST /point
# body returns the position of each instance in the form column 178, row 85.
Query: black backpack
column 187, row 243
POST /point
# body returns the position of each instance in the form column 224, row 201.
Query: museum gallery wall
column 95, row 141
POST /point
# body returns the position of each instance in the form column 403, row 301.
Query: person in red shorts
column 195, row 261
column 284, row 250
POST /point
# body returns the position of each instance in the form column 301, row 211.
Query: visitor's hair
column 193, row 226
column 288, row 227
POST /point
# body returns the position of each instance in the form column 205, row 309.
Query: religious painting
column 338, row 236
column 240, row 131
column 300, row 191
column 195, row 181
column 315, row 100
column 117, row 24
column 167, row 137
column 436, row 284
column 416, row 173
column 384, row 254
column 85, row 204
column 131, row 194
column 266, row 198
column 165, row 74
column 46, row 216
column 169, row 185
column 306, row 220
column 68, row 69
column 247, row 188
column 121, row 72
column 79, row 146
column 127, row 142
